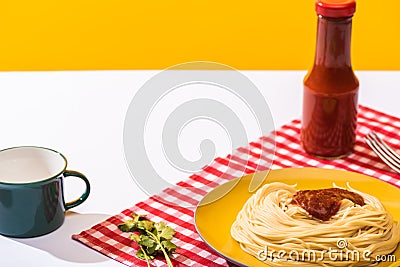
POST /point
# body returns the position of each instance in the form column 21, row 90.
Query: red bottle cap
column 335, row 8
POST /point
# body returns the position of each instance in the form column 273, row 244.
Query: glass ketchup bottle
column 330, row 88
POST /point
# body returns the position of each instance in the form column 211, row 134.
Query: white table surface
column 81, row 114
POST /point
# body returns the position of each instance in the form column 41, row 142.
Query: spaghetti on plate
column 283, row 226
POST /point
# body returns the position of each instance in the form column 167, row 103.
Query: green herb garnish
column 153, row 238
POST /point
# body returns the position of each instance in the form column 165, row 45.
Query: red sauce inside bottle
column 330, row 93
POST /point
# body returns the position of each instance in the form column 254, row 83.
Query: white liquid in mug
column 29, row 164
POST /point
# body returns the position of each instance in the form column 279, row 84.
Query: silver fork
column 383, row 150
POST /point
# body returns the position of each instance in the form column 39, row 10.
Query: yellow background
column 148, row 34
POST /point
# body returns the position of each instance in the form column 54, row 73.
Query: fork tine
column 385, row 149
column 389, row 149
column 382, row 152
column 382, row 156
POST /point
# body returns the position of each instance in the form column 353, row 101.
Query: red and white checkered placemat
column 106, row 238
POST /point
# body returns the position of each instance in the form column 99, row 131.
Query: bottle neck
column 333, row 42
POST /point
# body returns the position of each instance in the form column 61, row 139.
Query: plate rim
column 204, row 240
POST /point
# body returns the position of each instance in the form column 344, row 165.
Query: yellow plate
column 218, row 209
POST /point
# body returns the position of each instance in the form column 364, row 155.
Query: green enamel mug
column 32, row 191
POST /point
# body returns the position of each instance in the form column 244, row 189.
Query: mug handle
column 84, row 196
